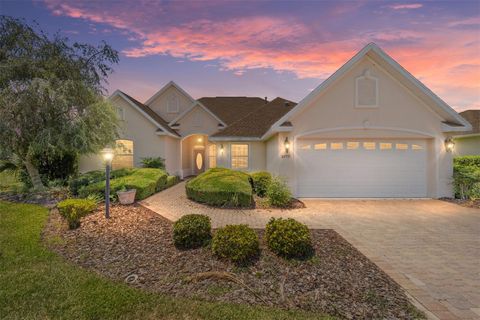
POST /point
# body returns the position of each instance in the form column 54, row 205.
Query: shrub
column 146, row 181
column 221, row 187
column 76, row 183
column 74, row 209
column 237, row 243
column 278, row 193
column 151, row 162
column 466, row 177
column 171, row 181
column 261, row 180
column 192, row 231
column 288, row 238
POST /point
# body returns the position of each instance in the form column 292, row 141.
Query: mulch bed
column 464, row 203
column 136, row 246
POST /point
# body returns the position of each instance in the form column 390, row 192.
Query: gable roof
column 258, row 122
column 149, row 113
column 187, row 111
column 472, row 116
column 230, row 109
column 374, row 52
column 165, row 87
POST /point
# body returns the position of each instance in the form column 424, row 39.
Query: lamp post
column 107, row 156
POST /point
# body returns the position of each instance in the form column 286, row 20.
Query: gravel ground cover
column 135, row 246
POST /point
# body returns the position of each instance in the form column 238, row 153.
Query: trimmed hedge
column 171, row 181
column 288, row 238
column 74, row 209
column 221, row 187
column 237, row 243
column 466, row 177
column 192, row 231
column 85, row 179
column 261, row 180
column 146, row 181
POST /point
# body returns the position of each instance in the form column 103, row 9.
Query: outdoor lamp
column 107, row 154
column 221, row 148
column 287, row 145
column 449, row 144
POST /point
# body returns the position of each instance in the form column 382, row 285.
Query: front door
column 198, row 161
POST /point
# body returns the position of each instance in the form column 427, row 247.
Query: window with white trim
column 239, row 157
column 212, row 156
column 172, row 103
column 123, row 154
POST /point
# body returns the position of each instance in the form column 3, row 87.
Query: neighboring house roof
column 152, row 114
column 472, row 116
column 374, row 52
column 257, row 123
column 230, row 109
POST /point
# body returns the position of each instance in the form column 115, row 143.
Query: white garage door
column 361, row 168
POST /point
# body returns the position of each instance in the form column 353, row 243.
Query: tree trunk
column 34, row 176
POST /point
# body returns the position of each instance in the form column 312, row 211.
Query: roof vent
column 266, row 99
column 287, row 104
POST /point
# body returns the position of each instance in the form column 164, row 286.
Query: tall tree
column 51, row 94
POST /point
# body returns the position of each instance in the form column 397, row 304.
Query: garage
column 359, row 168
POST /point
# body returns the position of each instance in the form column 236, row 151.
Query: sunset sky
column 218, row 48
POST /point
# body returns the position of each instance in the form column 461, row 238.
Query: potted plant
column 126, row 196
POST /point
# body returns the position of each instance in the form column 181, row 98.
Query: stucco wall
column 400, row 114
column 197, row 121
column 467, row 146
column 159, row 105
column 146, row 143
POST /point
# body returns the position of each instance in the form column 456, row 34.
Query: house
column 468, row 143
column 370, row 130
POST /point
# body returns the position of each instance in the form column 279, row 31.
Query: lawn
column 36, row 283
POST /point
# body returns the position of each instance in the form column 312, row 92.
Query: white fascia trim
column 120, row 94
column 447, row 128
column 348, row 65
column 233, row 139
column 165, row 87
column 180, row 116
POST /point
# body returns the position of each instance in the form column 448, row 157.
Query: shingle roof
column 256, row 123
column 152, row 114
column 230, row 109
column 472, row 116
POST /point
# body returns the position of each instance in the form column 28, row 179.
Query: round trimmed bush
column 261, row 180
column 75, row 209
column 237, row 243
column 192, row 231
column 288, row 238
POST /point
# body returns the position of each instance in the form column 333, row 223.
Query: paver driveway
column 430, row 247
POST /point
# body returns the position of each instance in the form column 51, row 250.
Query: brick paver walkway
column 430, row 247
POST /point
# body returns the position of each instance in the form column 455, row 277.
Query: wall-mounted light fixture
column 287, row 145
column 449, row 144
column 221, row 148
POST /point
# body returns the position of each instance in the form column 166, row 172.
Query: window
column 416, row 147
column 353, row 145
column 366, row 91
column 172, row 103
column 336, row 146
column 401, row 146
column 239, row 156
column 385, row 146
column 123, row 154
column 212, row 156
column 305, row 147
column 320, row 146
column 369, row 145
column 120, row 113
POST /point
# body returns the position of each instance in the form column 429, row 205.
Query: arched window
column 123, row 154
column 366, row 91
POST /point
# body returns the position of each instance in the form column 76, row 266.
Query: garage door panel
column 361, row 172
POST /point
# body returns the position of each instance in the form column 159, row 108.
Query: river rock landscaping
column 136, row 246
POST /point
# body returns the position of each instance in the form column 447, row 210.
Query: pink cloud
column 406, row 6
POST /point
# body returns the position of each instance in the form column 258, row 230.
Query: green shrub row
column 239, row 243
column 146, row 181
column 221, row 187
column 91, row 177
column 466, row 177
column 74, row 209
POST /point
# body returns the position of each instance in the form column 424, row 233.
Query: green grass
column 221, row 187
column 9, row 182
column 35, row 283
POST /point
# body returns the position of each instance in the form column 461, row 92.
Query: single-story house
column 468, row 143
column 370, row 130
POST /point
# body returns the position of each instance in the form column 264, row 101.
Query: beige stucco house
column 369, row 130
column 468, row 143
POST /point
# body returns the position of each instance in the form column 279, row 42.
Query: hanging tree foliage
column 51, row 95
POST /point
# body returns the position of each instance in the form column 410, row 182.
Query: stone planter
column 126, row 197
